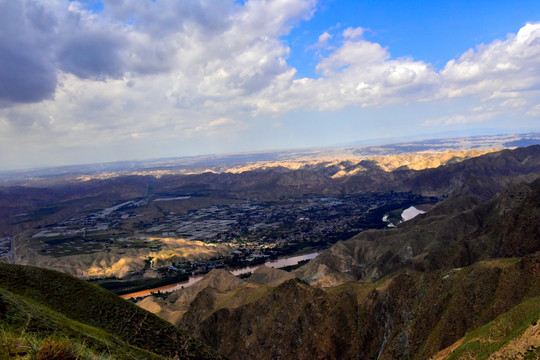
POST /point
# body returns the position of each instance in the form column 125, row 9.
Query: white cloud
column 534, row 111
column 359, row 72
column 187, row 59
column 225, row 59
column 497, row 68
column 353, row 33
column 464, row 118
column 360, row 53
column 322, row 42
column 176, row 69
column 363, row 73
column 217, row 127
column 324, row 37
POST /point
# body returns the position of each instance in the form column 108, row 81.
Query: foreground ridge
column 41, row 303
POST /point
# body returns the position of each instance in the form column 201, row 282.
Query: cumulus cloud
column 199, row 39
column 322, row 41
column 27, row 63
column 211, row 54
column 353, row 33
column 494, row 69
column 360, row 72
column 219, row 52
column 171, row 68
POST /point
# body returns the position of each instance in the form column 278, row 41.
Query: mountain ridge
column 412, row 314
column 402, row 293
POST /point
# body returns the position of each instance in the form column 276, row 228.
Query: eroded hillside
column 440, row 284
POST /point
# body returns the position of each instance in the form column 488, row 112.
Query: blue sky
column 108, row 80
column 433, row 31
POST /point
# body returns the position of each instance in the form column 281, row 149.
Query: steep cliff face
column 294, row 320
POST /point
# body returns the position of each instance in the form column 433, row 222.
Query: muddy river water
column 279, row 263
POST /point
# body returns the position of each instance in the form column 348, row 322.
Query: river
column 279, row 263
column 411, row 213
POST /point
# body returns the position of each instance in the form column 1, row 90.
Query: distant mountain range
column 220, row 163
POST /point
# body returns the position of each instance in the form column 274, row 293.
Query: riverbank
column 279, row 263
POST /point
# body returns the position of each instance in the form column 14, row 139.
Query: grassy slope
column 48, row 302
column 28, row 325
column 496, row 336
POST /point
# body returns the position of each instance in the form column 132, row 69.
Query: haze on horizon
column 103, row 80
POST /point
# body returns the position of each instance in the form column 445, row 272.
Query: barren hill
column 411, row 314
column 265, row 275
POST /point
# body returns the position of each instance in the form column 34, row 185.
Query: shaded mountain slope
column 411, row 314
column 497, row 170
column 24, row 322
column 401, row 293
column 455, row 233
column 514, row 334
column 265, row 275
column 502, row 167
column 482, row 176
column 218, row 289
column 48, row 302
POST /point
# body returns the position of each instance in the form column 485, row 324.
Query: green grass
column 47, row 303
column 29, row 326
column 17, row 344
column 487, row 339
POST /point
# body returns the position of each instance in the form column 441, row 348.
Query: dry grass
column 20, row 345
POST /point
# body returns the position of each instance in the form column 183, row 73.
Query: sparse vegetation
column 16, row 344
column 490, row 338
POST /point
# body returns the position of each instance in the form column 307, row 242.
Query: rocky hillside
column 456, row 233
column 221, row 289
column 410, row 314
column 462, row 281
